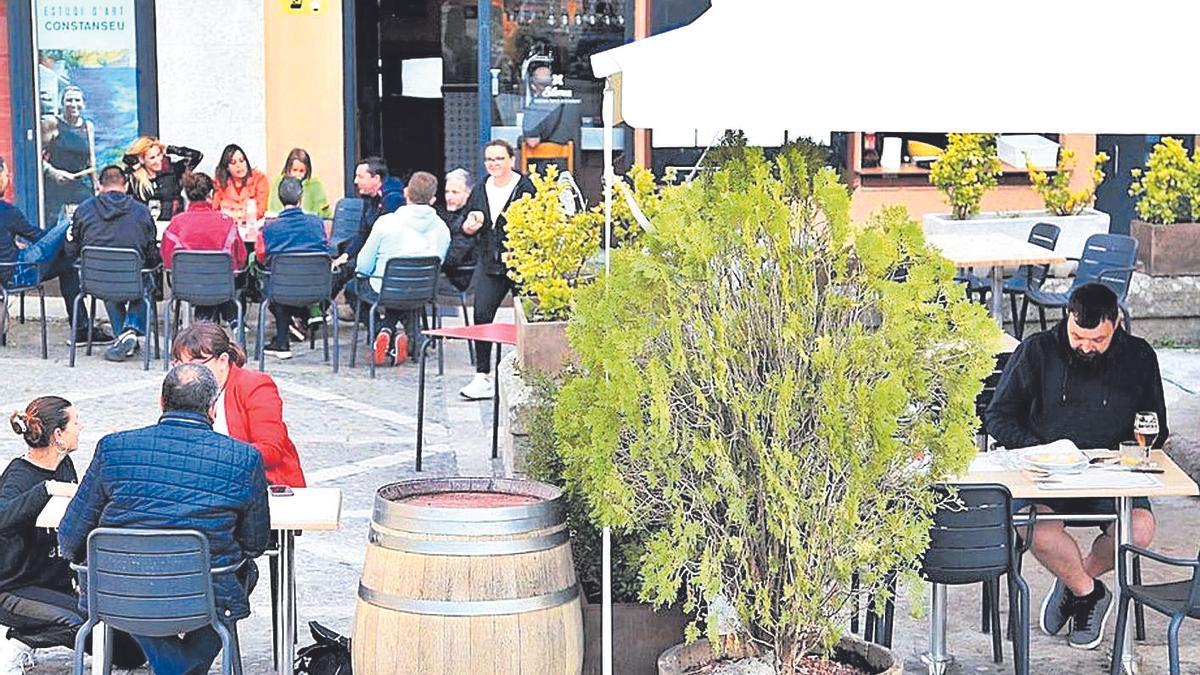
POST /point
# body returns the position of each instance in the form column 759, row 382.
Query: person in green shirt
column 299, row 165
column 313, row 200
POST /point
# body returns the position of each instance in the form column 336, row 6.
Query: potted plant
column 552, row 252
column 969, row 168
column 766, row 394
column 1168, row 209
column 641, row 631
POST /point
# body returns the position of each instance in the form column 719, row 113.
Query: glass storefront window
column 87, row 95
column 547, row 102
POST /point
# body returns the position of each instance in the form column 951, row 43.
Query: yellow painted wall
column 304, row 89
column 927, row 199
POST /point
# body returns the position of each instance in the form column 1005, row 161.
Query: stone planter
column 1167, row 250
column 541, row 345
column 1016, row 224
column 640, row 635
column 874, row 658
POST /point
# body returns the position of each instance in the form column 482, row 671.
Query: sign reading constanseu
column 85, row 24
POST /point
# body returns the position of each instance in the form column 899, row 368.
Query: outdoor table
column 996, row 250
column 311, row 509
column 496, row 333
column 1173, row 482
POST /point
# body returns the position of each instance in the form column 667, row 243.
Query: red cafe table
column 496, row 333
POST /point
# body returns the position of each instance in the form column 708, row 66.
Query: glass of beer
column 1145, row 431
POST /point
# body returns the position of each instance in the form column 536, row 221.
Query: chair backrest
column 409, row 282
column 971, row 540
column 111, row 273
column 1108, row 259
column 203, row 278
column 150, row 582
column 299, row 279
column 346, row 217
column 984, row 398
column 1045, row 235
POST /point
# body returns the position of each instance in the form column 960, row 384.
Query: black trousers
column 490, row 290
column 48, row 617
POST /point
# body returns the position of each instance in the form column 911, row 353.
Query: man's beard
column 1086, row 357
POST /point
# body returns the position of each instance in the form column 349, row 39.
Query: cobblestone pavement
column 357, row 434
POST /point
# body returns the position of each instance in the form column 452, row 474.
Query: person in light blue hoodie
column 413, row 230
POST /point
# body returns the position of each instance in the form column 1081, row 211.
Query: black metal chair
column 447, row 290
column 347, row 215
column 1107, row 259
column 20, row 278
column 407, row 283
column 115, row 275
column 201, row 279
column 298, row 280
column 1178, row 600
column 976, row 543
column 155, row 583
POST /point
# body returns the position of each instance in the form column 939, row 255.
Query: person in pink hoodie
column 201, row 227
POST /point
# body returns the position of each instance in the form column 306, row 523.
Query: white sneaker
column 15, row 657
column 479, row 388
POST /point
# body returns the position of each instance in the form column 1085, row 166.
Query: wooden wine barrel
column 468, row 575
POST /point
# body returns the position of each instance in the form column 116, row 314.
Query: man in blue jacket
column 179, row 474
column 292, row 231
column 46, row 250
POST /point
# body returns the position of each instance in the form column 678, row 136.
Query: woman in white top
column 485, row 220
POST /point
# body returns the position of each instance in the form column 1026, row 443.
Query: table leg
column 285, row 613
column 98, row 647
column 936, row 658
column 998, row 294
column 496, row 405
column 1124, row 536
column 421, row 401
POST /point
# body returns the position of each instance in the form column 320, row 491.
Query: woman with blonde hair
column 155, row 173
column 69, row 157
column 313, row 200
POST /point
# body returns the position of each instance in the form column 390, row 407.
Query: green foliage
column 544, row 463
column 965, row 172
column 1168, row 190
column 1056, row 190
column 547, row 249
column 647, row 193
column 758, row 377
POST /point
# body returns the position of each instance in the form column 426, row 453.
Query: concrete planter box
column 1016, row 224
column 640, row 635
column 541, row 345
column 682, row 659
column 1167, row 250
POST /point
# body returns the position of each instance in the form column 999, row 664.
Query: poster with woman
column 87, row 95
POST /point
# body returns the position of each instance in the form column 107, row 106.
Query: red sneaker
column 383, row 343
column 401, row 348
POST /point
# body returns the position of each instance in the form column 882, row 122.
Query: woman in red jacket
column 249, row 408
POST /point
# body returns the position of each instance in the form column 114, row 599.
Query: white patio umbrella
column 933, row 65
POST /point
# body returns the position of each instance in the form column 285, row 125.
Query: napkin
column 1100, row 479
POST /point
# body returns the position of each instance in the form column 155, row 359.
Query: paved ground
column 357, row 434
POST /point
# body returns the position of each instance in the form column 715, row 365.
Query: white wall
column 210, row 77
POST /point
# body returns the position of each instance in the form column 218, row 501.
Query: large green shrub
column 1168, row 191
column 759, row 377
column 965, row 172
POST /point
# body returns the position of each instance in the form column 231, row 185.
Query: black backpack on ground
column 330, row 655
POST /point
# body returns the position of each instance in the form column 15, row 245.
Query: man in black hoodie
column 1083, row 380
column 114, row 219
